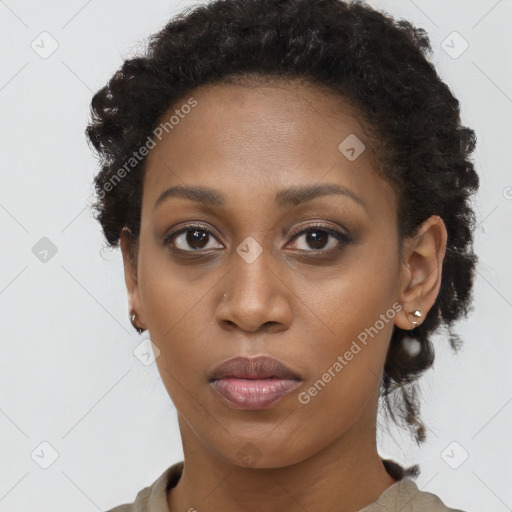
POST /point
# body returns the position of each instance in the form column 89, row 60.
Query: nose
column 255, row 297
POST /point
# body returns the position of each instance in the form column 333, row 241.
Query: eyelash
column 342, row 238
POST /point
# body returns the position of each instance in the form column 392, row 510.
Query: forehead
column 250, row 139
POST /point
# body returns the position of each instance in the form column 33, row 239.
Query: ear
column 130, row 277
column 421, row 270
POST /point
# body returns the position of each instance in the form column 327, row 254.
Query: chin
column 263, row 452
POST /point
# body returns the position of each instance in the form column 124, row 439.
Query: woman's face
column 248, row 280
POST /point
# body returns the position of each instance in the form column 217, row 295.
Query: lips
column 260, row 367
column 253, row 383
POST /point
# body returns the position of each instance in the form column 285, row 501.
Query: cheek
column 170, row 293
column 345, row 368
column 348, row 353
column 351, row 298
column 175, row 311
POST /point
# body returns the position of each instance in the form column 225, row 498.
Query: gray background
column 68, row 373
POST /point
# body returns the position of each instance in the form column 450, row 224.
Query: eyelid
column 322, row 225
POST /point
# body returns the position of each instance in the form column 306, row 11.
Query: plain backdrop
column 75, row 398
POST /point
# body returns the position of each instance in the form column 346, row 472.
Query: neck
column 346, row 475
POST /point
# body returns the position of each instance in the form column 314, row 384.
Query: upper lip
column 261, row 367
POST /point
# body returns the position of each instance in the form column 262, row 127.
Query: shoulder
column 405, row 496
column 153, row 498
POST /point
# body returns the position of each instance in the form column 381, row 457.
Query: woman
column 289, row 183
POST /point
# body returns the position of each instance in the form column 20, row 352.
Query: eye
column 320, row 238
column 192, row 238
column 315, row 238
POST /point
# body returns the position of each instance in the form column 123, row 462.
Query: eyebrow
column 286, row 197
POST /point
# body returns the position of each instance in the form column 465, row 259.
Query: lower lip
column 254, row 393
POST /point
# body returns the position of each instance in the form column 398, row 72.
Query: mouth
column 253, row 383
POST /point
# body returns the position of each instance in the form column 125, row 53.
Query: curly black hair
column 375, row 63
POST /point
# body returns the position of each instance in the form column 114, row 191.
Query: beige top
column 402, row 496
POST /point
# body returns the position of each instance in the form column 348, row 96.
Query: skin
column 249, row 142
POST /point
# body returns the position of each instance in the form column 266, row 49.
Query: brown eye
column 192, row 239
column 317, row 239
column 320, row 238
column 196, row 239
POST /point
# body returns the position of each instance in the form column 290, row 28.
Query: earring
column 133, row 317
column 416, row 314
